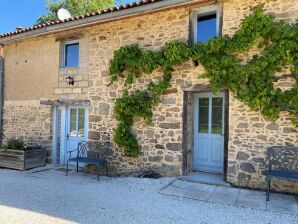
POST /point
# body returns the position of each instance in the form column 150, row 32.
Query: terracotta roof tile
column 105, row 11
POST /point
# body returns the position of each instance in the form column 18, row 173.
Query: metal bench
column 93, row 152
column 282, row 164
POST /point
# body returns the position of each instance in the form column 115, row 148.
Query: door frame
column 188, row 127
column 65, row 113
column 208, row 95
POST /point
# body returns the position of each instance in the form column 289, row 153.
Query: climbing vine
column 251, row 82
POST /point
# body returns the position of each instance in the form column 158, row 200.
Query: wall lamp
column 70, row 81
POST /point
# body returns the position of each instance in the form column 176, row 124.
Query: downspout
column 1, row 91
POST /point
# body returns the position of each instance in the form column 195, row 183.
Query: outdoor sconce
column 70, row 81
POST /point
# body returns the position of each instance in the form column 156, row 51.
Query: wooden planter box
column 22, row 159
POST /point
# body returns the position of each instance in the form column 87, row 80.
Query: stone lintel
column 200, row 88
column 65, row 102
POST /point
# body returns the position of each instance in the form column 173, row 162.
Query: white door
column 70, row 127
column 77, row 127
column 209, row 132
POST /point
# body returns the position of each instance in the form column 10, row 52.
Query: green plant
column 15, row 144
column 252, row 82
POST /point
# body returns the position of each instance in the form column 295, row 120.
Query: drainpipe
column 1, row 90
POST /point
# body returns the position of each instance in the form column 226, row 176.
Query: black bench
column 93, row 152
column 282, row 164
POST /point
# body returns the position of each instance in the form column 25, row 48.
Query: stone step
column 205, row 178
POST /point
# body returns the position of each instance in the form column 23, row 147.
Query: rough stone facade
column 249, row 133
column 162, row 143
column 30, row 122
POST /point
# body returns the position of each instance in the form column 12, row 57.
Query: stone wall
column 29, row 121
column 161, row 141
column 249, row 133
column 80, row 74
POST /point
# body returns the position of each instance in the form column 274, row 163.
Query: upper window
column 71, row 55
column 205, row 23
column 206, row 28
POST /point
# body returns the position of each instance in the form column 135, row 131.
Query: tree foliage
column 75, row 7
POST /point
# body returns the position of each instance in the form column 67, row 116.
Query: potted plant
column 16, row 155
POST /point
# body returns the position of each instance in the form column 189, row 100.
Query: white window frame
column 205, row 11
column 64, row 53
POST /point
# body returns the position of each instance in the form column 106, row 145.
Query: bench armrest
column 70, row 152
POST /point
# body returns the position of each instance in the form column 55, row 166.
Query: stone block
column 242, row 156
column 247, row 167
column 93, row 135
column 103, row 109
column 168, row 101
column 169, row 158
column 272, row 127
column 175, row 125
column 94, row 118
column 174, row 146
column 159, row 146
column 170, row 91
column 155, row 158
column 289, row 130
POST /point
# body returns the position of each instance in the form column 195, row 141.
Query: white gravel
column 50, row 197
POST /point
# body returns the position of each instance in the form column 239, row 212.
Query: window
column 206, row 28
column 71, row 55
column 77, row 122
column 205, row 23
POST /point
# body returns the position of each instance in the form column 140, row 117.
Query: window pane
column 72, row 55
column 217, row 112
column 206, row 28
column 81, row 124
column 203, row 115
column 73, row 122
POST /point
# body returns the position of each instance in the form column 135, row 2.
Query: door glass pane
column 73, row 122
column 217, row 112
column 206, row 28
column 81, row 124
column 203, row 115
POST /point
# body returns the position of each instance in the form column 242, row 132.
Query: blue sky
column 23, row 13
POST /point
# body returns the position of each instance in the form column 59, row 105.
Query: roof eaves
column 91, row 18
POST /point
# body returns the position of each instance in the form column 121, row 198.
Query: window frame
column 205, row 11
column 65, row 44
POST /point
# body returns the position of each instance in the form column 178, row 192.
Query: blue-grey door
column 209, row 132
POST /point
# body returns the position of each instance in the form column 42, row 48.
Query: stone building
column 192, row 128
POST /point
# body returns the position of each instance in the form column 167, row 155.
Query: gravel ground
column 50, row 197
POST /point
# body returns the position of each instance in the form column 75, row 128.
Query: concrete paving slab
column 169, row 190
column 224, row 195
column 252, row 194
column 233, row 196
column 278, row 197
column 182, row 184
column 174, row 191
column 203, row 187
column 198, row 195
column 283, row 205
column 259, row 203
column 227, row 190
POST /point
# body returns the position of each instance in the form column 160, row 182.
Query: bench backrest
column 93, row 149
column 283, row 158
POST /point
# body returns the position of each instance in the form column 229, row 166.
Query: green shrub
column 15, row 144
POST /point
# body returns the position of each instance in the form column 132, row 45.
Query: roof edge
column 154, row 6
